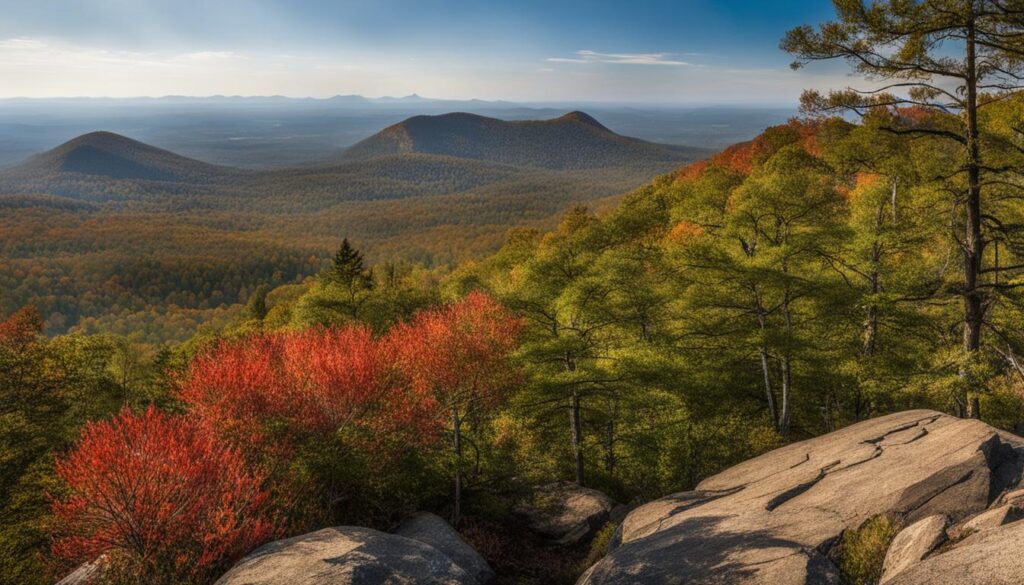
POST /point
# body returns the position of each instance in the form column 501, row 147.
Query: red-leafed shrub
column 459, row 356
column 163, row 499
column 300, row 383
column 327, row 411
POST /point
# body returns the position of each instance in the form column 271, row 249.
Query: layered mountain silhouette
column 573, row 141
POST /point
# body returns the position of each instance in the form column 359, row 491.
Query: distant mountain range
column 276, row 131
column 464, row 151
column 107, row 230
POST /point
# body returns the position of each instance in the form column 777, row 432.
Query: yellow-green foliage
column 862, row 550
column 599, row 545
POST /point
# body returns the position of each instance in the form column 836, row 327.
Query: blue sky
column 685, row 51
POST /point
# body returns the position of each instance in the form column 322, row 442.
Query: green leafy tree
column 944, row 62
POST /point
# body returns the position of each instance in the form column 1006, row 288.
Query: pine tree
column 349, row 273
column 348, row 269
column 256, row 307
column 940, row 63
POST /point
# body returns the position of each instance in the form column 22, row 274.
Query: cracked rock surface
column 772, row 519
column 990, row 557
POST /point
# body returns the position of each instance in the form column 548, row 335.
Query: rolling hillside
column 112, row 232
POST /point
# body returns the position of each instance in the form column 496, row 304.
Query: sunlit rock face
column 773, row 520
column 349, row 555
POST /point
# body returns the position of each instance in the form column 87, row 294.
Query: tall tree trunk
column 973, row 242
column 786, row 368
column 609, row 447
column 575, row 425
column 765, row 369
column 787, row 383
column 870, row 334
column 457, row 443
column 577, row 434
column 869, row 329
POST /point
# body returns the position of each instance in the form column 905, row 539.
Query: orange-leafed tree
column 326, row 402
column 459, row 355
column 21, row 328
column 160, row 497
column 317, row 381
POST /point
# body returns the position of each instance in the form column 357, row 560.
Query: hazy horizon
column 649, row 52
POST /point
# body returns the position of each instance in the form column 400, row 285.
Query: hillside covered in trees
column 781, row 289
column 106, row 233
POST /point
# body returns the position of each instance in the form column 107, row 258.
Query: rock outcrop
column 348, row 555
column 912, row 544
column 85, row 574
column 433, row 530
column 565, row 513
column 773, row 520
column 990, row 557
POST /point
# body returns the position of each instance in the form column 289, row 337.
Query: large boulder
column 772, row 520
column 433, row 530
column 991, row 518
column 912, row 544
column 86, row 573
column 990, row 557
column 347, row 555
column 566, row 513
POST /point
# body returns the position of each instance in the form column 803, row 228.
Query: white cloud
column 208, row 56
column 622, row 59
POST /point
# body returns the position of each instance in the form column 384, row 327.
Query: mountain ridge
column 115, row 156
column 574, row 140
column 467, row 143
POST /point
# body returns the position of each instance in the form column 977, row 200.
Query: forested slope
column 105, row 232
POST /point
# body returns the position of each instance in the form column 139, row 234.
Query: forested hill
column 113, row 234
column 105, row 154
column 573, row 141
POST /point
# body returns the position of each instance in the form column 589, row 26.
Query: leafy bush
column 160, row 498
column 862, row 550
column 599, row 545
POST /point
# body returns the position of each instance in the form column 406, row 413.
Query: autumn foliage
column 318, row 381
column 314, row 417
column 21, row 328
column 457, row 354
column 159, row 494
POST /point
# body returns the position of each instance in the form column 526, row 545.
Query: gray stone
column 566, row 513
column 958, row 491
column 991, row 557
column 85, row 574
column 992, row 518
column 433, row 530
column 347, row 555
column 1012, row 497
column 766, row 521
column 912, row 544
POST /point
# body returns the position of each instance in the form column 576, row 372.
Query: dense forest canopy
column 137, row 240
